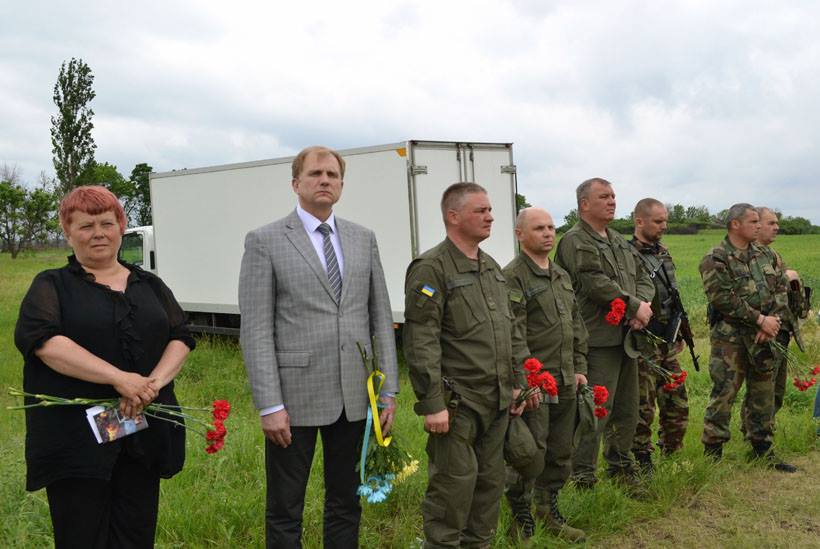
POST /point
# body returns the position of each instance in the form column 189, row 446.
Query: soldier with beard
column 651, row 219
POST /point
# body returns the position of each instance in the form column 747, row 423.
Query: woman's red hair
column 93, row 200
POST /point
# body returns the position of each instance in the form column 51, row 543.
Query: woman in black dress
column 100, row 328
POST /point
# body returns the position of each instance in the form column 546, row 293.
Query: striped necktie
column 333, row 274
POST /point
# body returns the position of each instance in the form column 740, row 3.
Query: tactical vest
column 658, row 263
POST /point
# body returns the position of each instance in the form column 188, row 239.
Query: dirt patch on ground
column 756, row 507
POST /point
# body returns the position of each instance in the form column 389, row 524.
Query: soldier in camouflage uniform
column 746, row 295
column 603, row 266
column 458, row 345
column 547, row 326
column 650, row 218
column 798, row 309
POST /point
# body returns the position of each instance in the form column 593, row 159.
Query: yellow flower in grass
column 408, row 470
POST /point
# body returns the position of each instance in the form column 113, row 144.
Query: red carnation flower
column 533, row 365
column 216, row 446
column 617, row 310
column 600, row 412
column 599, row 395
column 548, row 383
column 815, row 370
column 222, row 409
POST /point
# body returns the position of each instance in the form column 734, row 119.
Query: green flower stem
column 173, row 421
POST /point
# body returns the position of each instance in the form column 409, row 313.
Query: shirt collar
column 535, row 268
column 463, row 263
column 310, row 221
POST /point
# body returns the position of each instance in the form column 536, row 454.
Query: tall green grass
column 218, row 500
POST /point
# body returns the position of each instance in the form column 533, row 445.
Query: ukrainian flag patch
column 428, row 291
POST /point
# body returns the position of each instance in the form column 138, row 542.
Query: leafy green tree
column 797, row 225
column 521, row 202
column 71, row 141
column 677, row 213
column 142, row 194
column 26, row 217
column 698, row 214
column 108, row 176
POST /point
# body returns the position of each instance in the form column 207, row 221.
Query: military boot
column 524, row 523
column 555, row 523
column 763, row 451
column 714, row 451
column 645, row 465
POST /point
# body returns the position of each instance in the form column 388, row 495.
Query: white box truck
column 201, row 216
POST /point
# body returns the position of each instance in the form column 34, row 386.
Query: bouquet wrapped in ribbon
column 383, row 462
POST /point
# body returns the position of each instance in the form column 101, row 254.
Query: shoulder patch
column 427, row 290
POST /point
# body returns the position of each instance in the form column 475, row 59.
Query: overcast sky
column 699, row 103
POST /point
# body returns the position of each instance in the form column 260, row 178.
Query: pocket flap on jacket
column 293, row 359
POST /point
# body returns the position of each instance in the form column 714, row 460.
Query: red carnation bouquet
column 803, row 375
column 617, row 311
column 538, row 379
column 212, row 428
column 600, row 395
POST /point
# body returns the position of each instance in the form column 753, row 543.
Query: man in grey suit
column 311, row 286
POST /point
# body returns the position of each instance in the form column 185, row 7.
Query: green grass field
column 218, row 500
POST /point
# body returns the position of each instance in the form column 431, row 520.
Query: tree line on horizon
column 691, row 219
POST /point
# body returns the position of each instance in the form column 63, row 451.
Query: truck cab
column 137, row 248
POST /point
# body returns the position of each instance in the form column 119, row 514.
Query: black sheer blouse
column 128, row 329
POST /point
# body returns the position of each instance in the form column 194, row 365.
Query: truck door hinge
column 508, row 169
column 418, row 170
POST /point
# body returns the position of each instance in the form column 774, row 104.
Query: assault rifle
column 680, row 322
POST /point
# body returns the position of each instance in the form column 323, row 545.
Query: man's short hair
column 737, row 211
column 299, row 161
column 764, row 209
column 453, row 197
column 583, row 189
column 645, row 205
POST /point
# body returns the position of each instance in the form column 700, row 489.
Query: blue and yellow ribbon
column 373, row 389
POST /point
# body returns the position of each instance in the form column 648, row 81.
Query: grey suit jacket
column 298, row 343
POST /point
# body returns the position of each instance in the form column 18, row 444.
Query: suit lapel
column 300, row 240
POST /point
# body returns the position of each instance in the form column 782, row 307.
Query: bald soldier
column 549, row 327
column 603, row 266
column 458, row 345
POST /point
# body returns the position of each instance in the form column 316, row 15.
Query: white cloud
column 693, row 102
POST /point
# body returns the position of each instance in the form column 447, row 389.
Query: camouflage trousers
column 781, row 374
column 673, row 406
column 730, row 365
column 553, row 427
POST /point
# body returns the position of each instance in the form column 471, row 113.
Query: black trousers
column 118, row 513
column 288, row 470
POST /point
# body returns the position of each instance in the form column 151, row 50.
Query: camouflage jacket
column 741, row 285
column 797, row 299
column 603, row 268
column 547, row 324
